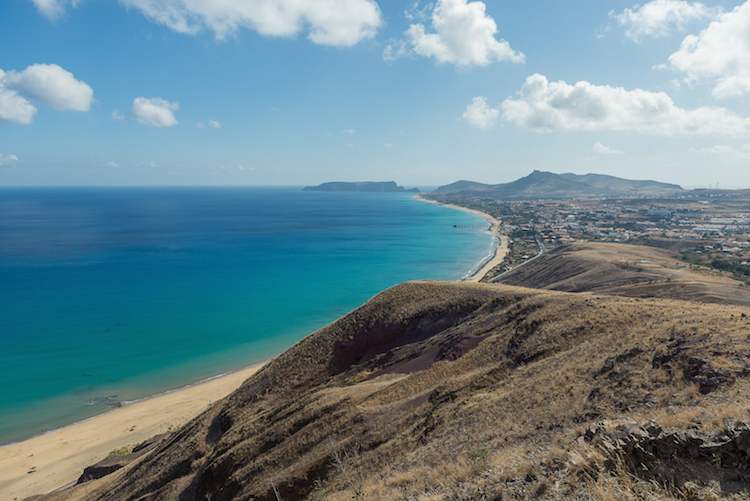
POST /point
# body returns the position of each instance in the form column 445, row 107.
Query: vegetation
column 470, row 391
column 122, row 451
column 734, row 268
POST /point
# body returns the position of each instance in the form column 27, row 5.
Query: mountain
column 558, row 186
column 390, row 186
column 604, row 182
column 463, row 185
column 450, row 390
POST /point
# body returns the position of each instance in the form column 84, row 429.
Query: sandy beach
column 56, row 459
column 500, row 251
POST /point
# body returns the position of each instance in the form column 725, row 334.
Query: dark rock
column 112, row 463
column 595, row 392
column 609, row 364
column 702, row 373
column 646, row 442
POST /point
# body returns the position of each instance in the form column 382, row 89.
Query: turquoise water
column 129, row 292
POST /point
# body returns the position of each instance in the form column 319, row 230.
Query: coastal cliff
column 442, row 390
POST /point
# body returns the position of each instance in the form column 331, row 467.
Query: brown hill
column 547, row 185
column 436, row 390
column 626, row 270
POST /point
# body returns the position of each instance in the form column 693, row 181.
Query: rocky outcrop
column 114, row 462
column 645, row 443
column 698, row 370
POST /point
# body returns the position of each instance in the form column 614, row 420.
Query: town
column 709, row 228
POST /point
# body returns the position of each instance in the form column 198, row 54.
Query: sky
column 300, row 92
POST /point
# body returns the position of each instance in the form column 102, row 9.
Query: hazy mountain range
column 549, row 185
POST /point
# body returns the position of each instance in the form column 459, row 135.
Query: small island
column 373, row 187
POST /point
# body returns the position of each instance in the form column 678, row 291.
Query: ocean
column 115, row 294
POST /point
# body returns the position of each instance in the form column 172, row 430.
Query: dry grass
column 444, row 391
column 627, row 270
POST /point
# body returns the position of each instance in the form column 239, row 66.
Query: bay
column 129, row 292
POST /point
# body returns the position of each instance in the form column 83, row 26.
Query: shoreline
column 500, row 250
column 56, row 459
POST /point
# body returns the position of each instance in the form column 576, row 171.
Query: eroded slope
column 437, row 390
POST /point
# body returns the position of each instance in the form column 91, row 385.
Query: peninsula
column 379, row 187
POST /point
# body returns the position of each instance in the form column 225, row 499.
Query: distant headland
column 384, row 187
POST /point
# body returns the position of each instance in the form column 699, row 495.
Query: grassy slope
column 437, row 390
column 627, row 270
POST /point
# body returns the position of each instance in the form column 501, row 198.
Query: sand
column 58, row 458
column 500, row 251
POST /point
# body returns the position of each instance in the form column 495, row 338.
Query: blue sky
column 296, row 92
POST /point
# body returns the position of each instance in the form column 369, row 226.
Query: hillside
column 547, row 185
column 436, row 390
column 624, row 186
column 627, row 270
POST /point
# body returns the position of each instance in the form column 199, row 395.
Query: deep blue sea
column 129, row 292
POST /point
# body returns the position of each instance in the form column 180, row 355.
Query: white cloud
column 721, row 52
column 558, row 106
column 117, row 115
column 211, row 123
column 112, row 164
column 479, row 113
column 660, row 17
column 8, row 159
column 604, row 150
column 52, row 85
column 154, row 111
column 726, row 153
column 395, row 50
column 14, row 108
column 388, row 145
column 348, row 131
column 46, row 83
column 54, row 9
column 340, row 23
column 413, row 12
column 463, row 34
